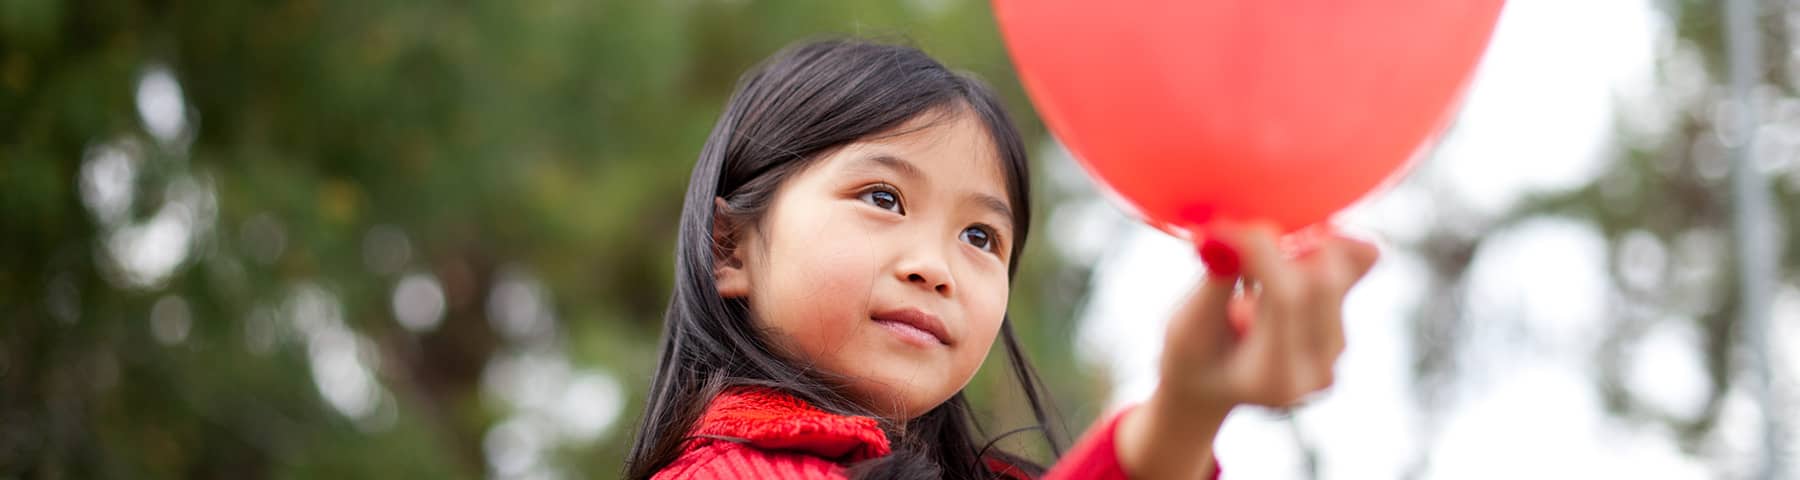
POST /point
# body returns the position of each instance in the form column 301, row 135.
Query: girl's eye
column 980, row 236
column 885, row 199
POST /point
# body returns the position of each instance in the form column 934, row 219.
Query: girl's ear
column 728, row 262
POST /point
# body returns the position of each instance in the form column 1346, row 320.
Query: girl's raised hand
column 1274, row 341
column 1271, row 344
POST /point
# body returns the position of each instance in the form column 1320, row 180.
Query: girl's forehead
column 953, row 149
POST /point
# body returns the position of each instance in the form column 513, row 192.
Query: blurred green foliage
column 185, row 276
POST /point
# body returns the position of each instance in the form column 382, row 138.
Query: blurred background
column 328, row 238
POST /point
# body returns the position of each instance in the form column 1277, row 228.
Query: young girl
column 847, row 242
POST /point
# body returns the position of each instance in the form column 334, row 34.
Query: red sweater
column 757, row 433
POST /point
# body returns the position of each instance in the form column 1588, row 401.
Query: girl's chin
column 900, row 403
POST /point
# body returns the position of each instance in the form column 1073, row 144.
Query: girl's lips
column 914, row 322
column 916, row 337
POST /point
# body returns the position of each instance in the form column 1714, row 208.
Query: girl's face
column 886, row 262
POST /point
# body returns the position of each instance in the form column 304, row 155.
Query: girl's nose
column 930, row 273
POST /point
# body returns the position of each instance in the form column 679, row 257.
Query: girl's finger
column 1258, row 255
column 1201, row 321
column 1275, row 333
column 1360, row 255
column 1334, row 267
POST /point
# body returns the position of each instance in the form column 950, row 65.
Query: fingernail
column 1220, row 258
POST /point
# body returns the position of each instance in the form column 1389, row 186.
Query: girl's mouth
column 917, row 327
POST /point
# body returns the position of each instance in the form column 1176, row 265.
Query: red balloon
column 1276, row 110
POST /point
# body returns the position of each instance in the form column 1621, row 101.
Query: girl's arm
column 1292, row 333
column 1093, row 457
column 1164, row 440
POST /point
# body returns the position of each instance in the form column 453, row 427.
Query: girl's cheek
column 811, row 321
column 825, row 286
column 986, row 310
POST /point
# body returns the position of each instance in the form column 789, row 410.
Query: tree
column 345, row 238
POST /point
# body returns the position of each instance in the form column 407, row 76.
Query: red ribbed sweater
column 757, row 433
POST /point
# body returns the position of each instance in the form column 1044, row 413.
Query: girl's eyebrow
column 992, row 203
column 912, row 173
column 898, row 165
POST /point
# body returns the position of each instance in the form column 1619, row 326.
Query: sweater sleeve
column 1096, row 455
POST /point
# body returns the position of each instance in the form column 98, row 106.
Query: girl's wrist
column 1169, row 437
column 1190, row 405
column 1191, row 411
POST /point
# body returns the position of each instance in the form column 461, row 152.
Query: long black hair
column 786, row 113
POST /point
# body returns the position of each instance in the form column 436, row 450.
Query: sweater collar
column 771, row 420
